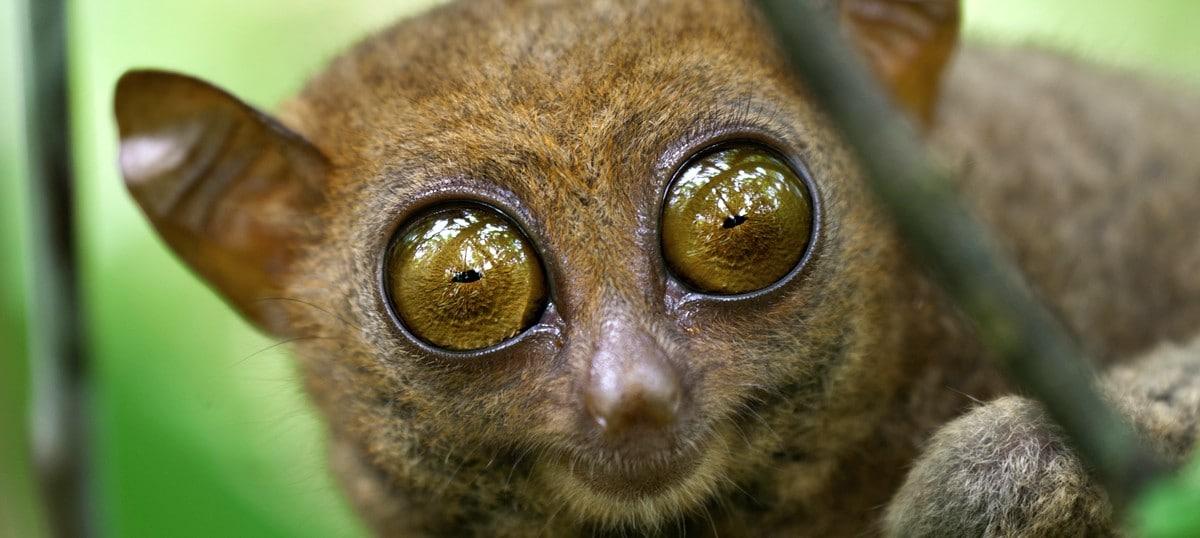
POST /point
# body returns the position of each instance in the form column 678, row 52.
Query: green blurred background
column 199, row 427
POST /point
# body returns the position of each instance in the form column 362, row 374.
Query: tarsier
column 581, row 268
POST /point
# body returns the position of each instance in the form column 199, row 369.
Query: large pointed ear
column 907, row 43
column 230, row 190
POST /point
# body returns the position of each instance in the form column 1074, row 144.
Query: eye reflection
column 735, row 220
column 463, row 277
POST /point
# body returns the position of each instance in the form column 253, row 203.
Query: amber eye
column 464, row 277
column 736, row 219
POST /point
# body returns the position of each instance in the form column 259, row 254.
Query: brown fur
column 1094, row 210
column 807, row 405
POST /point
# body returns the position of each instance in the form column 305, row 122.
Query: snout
column 633, row 389
column 636, row 403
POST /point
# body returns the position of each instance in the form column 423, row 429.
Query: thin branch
column 1030, row 343
column 57, row 365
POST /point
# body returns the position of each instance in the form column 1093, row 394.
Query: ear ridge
column 231, row 191
column 908, row 43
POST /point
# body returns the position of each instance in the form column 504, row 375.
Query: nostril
column 643, row 392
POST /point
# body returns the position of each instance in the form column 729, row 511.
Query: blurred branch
column 55, row 352
column 1029, row 342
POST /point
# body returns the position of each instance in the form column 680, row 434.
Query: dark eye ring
column 736, row 218
column 463, row 277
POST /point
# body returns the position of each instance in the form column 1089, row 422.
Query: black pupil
column 733, row 220
column 463, row 277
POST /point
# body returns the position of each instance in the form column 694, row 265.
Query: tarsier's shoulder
column 1013, row 88
column 1101, row 123
column 1089, row 175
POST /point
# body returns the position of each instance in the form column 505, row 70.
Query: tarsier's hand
column 1004, row 470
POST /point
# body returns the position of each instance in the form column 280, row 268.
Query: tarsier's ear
column 908, row 43
column 230, row 190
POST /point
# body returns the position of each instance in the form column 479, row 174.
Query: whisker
column 516, row 463
column 482, row 470
column 314, row 306
column 968, row 396
column 277, row 344
column 550, row 520
column 450, row 480
column 712, row 524
column 739, row 488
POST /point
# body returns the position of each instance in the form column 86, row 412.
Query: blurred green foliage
column 1158, row 36
column 1171, row 509
column 199, row 424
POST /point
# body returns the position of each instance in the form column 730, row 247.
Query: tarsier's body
column 635, row 404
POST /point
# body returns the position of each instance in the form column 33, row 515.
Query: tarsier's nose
column 632, row 385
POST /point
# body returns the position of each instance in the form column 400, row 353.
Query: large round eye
column 736, row 219
column 464, row 277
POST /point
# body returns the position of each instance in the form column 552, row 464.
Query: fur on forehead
column 536, row 81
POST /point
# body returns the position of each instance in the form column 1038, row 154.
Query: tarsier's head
column 599, row 261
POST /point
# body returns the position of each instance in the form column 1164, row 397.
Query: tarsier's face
column 601, row 260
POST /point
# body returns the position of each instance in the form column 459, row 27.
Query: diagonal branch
column 1029, row 342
